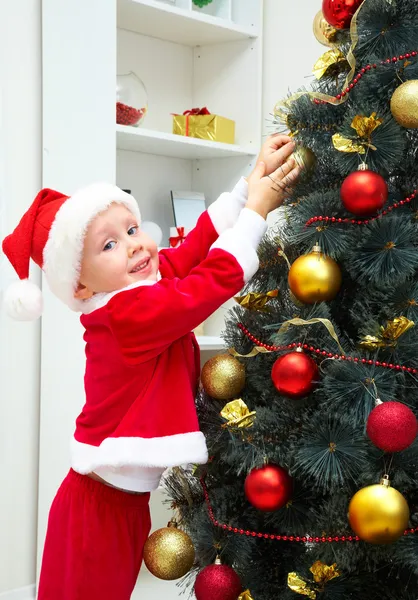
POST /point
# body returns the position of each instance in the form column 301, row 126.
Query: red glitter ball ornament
column 364, row 192
column 294, row 374
column 339, row 13
column 269, row 487
column 392, row 426
column 217, row 582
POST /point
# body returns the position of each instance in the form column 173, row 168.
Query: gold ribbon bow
column 245, row 595
column 388, row 336
column 332, row 59
column 322, row 574
column 364, row 127
column 237, row 414
column 255, row 300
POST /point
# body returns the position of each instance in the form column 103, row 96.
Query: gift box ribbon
column 178, row 239
column 192, row 113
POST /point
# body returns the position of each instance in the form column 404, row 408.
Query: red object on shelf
column 128, row 115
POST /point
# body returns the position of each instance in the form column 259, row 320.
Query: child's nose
column 133, row 248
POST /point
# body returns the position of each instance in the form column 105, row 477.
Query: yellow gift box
column 199, row 123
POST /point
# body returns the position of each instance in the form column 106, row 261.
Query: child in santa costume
column 142, row 361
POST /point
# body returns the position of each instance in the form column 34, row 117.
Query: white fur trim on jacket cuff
column 167, row 451
column 242, row 241
column 224, row 212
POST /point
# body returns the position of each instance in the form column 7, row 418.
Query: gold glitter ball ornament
column 305, row 159
column 314, row 277
column 223, row 377
column 378, row 514
column 323, row 31
column 404, row 104
column 169, row 553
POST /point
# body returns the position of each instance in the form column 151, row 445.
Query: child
column 142, row 361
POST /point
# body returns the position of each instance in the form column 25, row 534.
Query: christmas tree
column 311, row 488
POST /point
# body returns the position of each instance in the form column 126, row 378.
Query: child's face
column 116, row 254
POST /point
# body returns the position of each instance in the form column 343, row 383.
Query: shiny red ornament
column 217, row 582
column 294, row 374
column 363, row 193
column 269, row 487
column 392, row 426
column 339, row 13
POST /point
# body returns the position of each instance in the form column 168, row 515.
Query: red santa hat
column 52, row 233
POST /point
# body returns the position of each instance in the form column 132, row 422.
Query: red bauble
column 392, row 426
column 268, row 488
column 217, row 582
column 339, row 13
column 294, row 374
column 363, row 193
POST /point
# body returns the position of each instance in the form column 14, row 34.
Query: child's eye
column 109, row 246
column 132, row 230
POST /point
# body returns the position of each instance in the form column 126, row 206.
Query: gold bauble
column 223, row 377
column 323, row 31
column 305, row 158
column 404, row 104
column 314, row 277
column 169, row 553
column 378, row 514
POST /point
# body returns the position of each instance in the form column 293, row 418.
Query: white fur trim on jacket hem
column 242, row 241
column 168, row 451
column 224, row 212
column 63, row 250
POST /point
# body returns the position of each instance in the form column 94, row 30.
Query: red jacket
column 143, row 361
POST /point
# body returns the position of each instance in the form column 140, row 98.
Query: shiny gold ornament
column 169, row 552
column 305, row 158
column 245, row 595
column 329, row 63
column 364, row 127
column 323, row 31
column 237, row 414
column 223, row 377
column 378, row 514
column 388, row 336
column 322, row 574
column 315, row 277
column 404, row 104
column 255, row 300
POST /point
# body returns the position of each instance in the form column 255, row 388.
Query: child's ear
column 82, row 292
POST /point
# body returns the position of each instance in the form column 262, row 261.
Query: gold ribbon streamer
column 281, row 108
column 325, row 322
column 330, row 59
column 245, row 595
column 256, row 350
column 364, row 127
column 256, row 300
column 322, row 574
column 388, row 336
column 237, row 414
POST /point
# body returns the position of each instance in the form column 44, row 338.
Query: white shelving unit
column 186, row 57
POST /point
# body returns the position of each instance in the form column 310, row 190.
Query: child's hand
column 267, row 192
column 275, row 151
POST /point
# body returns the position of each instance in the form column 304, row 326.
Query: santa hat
column 52, row 233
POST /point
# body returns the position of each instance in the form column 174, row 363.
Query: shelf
column 148, row 141
column 207, row 342
column 156, row 19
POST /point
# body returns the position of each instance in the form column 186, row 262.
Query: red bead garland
column 365, row 70
column 326, row 354
column 281, row 538
column 330, row 220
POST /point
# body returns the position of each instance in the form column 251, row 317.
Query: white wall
column 20, row 179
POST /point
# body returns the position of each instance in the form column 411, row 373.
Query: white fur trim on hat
column 23, row 300
column 64, row 248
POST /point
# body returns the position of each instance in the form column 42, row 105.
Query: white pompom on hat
column 52, row 233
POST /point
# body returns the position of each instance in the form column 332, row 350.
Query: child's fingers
column 258, row 172
column 277, row 140
column 284, row 169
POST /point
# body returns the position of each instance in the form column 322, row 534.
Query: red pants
column 94, row 543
